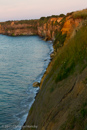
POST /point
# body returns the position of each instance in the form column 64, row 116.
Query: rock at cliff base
column 52, row 55
column 36, row 84
column 46, row 39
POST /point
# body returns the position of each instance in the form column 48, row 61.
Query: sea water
column 23, row 60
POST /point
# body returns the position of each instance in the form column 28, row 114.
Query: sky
column 34, row 9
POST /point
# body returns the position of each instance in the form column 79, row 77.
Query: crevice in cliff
column 52, row 114
column 68, row 91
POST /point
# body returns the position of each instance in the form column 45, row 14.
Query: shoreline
column 42, row 78
column 47, row 61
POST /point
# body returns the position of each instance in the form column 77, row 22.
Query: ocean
column 23, row 60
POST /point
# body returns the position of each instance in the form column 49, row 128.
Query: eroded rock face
column 46, row 29
column 15, row 29
column 70, row 24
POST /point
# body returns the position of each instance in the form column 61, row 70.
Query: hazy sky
column 33, row 9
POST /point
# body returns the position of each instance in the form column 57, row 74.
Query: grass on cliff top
column 32, row 22
column 52, row 16
column 80, row 14
column 72, row 57
column 6, row 23
column 27, row 22
column 44, row 20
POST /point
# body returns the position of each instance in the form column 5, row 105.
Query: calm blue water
column 23, row 60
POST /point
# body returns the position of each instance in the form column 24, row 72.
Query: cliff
column 46, row 27
column 61, row 103
column 16, row 28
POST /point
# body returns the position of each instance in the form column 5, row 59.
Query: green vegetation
column 80, row 14
column 56, row 23
column 13, row 34
column 83, row 112
column 7, row 22
column 21, row 34
column 61, row 15
column 74, row 54
column 72, row 57
column 68, row 14
column 56, row 16
column 62, row 22
column 33, row 22
column 59, row 39
column 44, row 20
column 66, row 69
column 53, row 16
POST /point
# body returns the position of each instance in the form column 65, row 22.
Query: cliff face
column 36, row 27
column 17, row 28
column 70, row 24
column 61, row 103
column 46, row 28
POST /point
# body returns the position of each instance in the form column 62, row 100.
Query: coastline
column 42, row 79
column 39, row 79
column 61, row 101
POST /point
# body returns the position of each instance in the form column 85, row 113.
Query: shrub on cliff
column 42, row 18
column 32, row 22
column 53, row 16
column 61, row 15
column 59, row 39
column 56, row 23
column 80, row 14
